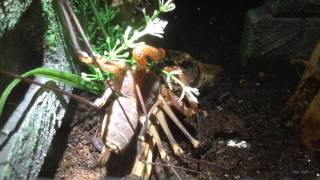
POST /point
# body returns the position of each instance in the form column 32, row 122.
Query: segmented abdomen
column 122, row 126
column 123, row 121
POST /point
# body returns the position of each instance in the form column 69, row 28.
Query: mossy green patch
column 52, row 30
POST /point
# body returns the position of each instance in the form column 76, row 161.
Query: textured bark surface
column 294, row 8
column 26, row 136
column 303, row 105
column 21, row 49
column 10, row 12
column 271, row 32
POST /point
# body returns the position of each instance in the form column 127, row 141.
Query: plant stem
column 96, row 14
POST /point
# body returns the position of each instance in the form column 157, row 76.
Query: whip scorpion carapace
column 140, row 96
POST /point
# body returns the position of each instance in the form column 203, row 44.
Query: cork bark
column 281, row 30
column 10, row 12
column 27, row 134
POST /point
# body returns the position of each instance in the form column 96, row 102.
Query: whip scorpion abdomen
column 123, row 121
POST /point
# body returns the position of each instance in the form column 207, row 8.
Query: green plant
column 113, row 42
column 66, row 77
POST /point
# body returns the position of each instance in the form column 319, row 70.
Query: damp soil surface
column 239, row 125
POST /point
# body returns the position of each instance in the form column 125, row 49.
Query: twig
column 173, row 166
column 70, row 27
column 78, row 26
column 30, row 81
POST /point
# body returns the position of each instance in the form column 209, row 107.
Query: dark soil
column 239, row 125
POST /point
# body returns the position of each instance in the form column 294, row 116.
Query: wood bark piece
column 304, row 105
column 296, row 8
column 269, row 33
column 21, row 49
column 10, row 12
column 310, row 124
column 27, row 134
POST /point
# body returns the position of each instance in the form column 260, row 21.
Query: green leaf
column 66, row 77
